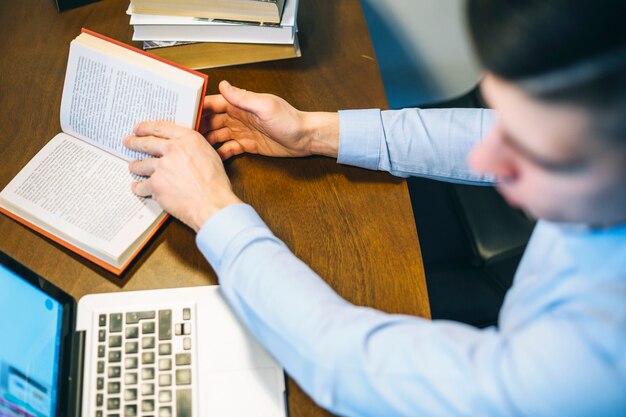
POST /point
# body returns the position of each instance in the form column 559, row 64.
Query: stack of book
column 213, row 33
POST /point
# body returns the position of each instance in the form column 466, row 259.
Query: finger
column 230, row 149
column 215, row 103
column 204, row 121
column 217, row 121
column 218, row 136
column 146, row 144
column 160, row 129
column 145, row 167
column 244, row 99
column 142, row 188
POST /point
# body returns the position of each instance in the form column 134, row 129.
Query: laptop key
column 131, row 347
column 131, row 362
column 115, row 371
column 102, row 320
column 130, row 410
column 99, row 400
column 130, row 394
column 165, row 380
column 115, row 324
column 147, row 389
column 114, row 388
column 130, row 378
column 147, row 315
column 102, row 335
column 183, row 359
column 99, row 413
column 113, row 403
column 101, row 351
column 183, row 376
column 132, row 332
column 187, row 343
column 165, row 396
column 183, row 403
column 165, row 349
column 147, row 373
column 136, row 316
column 165, row 411
column 100, row 383
column 186, row 329
column 147, row 358
column 132, row 318
column 147, row 405
column 147, row 342
column 186, row 314
column 115, row 341
column 165, row 364
column 148, row 327
column 100, row 367
column 165, row 324
column 115, row 356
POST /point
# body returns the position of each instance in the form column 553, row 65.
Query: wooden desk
column 354, row 227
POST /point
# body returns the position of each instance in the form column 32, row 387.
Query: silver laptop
column 161, row 353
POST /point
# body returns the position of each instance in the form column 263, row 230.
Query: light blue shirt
column 559, row 349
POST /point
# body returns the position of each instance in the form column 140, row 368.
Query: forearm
column 414, row 142
column 351, row 360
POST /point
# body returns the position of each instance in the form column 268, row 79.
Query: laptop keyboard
column 144, row 364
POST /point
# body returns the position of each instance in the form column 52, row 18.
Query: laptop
column 160, row 353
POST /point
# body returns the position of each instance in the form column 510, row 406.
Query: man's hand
column 187, row 178
column 244, row 121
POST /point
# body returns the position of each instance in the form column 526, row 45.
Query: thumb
column 239, row 97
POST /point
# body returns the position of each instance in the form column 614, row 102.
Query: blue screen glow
column 30, row 331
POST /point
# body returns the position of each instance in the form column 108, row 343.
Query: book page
column 81, row 194
column 109, row 89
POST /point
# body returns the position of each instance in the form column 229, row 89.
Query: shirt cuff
column 222, row 229
column 360, row 133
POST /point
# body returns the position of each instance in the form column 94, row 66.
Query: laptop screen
column 30, row 334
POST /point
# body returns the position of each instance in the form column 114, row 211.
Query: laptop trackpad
column 239, row 378
column 243, row 393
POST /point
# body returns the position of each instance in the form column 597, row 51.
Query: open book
column 76, row 190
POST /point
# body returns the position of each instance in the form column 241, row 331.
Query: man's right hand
column 244, row 121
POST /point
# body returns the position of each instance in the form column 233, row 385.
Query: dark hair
column 524, row 41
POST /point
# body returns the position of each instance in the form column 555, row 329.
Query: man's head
column 557, row 77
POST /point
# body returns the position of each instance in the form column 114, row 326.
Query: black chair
column 471, row 241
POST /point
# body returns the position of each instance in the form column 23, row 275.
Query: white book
column 208, row 32
column 181, row 28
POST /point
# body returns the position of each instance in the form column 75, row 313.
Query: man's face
column 548, row 162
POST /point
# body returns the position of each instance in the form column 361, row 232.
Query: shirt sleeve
column 431, row 143
column 355, row 360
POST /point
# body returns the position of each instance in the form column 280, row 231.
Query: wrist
column 321, row 133
column 208, row 209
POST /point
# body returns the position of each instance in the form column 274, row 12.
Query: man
column 556, row 146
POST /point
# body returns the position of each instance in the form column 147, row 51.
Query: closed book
column 193, row 30
column 180, row 28
column 268, row 11
column 215, row 54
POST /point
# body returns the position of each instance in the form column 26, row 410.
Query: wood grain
column 353, row 227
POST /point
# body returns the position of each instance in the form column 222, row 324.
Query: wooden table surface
column 353, row 227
